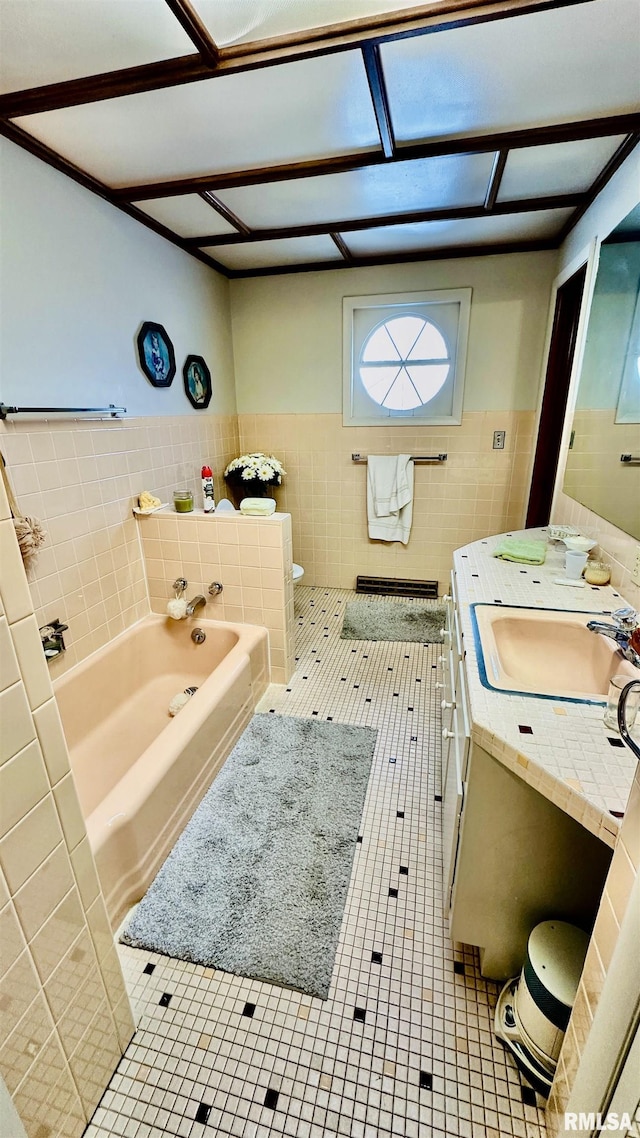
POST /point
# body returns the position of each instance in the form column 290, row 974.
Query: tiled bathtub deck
column 404, row 1044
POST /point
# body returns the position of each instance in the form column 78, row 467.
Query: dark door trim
column 554, row 400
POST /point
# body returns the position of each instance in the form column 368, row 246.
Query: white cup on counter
column 574, row 563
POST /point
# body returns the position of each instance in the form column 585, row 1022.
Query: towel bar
column 630, row 459
column 362, row 458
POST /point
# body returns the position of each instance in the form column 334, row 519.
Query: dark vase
column 249, row 488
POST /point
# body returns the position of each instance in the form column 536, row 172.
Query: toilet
column 298, row 573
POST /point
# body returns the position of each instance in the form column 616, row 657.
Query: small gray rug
column 390, row 620
column 257, row 882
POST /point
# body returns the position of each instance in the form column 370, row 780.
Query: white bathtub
column 139, row 773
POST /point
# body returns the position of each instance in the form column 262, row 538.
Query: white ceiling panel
column 374, row 190
column 558, row 65
column 50, row 41
column 440, row 234
column 188, row 215
column 309, row 109
column 263, row 254
column 564, row 168
column 240, row 21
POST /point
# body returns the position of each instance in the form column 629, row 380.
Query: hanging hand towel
column 390, row 497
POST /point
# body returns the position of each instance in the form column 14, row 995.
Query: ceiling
column 268, row 136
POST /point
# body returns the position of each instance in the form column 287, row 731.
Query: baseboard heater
column 396, row 587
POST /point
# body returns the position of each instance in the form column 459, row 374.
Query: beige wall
column 477, row 492
column 82, row 479
column 251, row 557
column 287, row 331
column 77, row 278
column 288, row 359
column 64, row 1013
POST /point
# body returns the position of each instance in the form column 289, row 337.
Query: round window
column 404, row 362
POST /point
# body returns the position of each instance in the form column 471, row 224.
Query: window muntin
column 404, row 357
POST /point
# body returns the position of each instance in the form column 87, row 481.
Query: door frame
column 589, row 255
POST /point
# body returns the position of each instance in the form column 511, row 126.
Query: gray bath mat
column 393, row 620
column 257, row 883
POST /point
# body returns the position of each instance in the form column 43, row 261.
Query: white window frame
column 351, row 351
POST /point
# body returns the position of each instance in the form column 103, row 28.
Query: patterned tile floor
column 404, row 1045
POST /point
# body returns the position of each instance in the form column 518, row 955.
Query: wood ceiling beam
column 379, row 97
column 225, row 212
column 357, row 225
column 344, row 163
column 45, row 154
column 605, row 175
column 450, row 253
column 108, row 85
column 497, row 170
column 212, row 62
column 342, row 246
column 190, row 21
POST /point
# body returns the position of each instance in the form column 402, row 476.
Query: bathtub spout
column 196, row 604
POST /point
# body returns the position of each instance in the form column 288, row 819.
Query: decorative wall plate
column 197, row 382
column 156, row 354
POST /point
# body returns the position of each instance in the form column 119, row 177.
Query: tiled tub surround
column 64, row 1012
column 250, row 556
column 81, row 479
column 477, row 491
column 562, row 749
column 404, row 1045
column 139, row 773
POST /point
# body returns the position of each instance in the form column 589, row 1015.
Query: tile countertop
column 567, row 756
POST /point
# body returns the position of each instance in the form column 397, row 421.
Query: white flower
column 257, row 465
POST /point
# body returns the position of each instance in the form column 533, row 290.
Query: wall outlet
column 498, row 440
column 635, row 572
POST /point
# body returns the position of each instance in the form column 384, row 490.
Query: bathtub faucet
column 194, row 605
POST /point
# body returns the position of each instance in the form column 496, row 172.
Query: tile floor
column 404, row 1044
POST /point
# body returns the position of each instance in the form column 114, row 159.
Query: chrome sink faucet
column 625, row 622
column 195, row 604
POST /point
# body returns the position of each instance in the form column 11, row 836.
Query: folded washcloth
column 521, row 549
column 260, row 507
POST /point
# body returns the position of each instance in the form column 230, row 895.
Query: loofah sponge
column 148, row 501
column 177, row 608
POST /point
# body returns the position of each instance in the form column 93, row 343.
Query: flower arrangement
column 252, row 474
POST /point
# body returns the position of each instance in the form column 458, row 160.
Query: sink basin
column 546, row 652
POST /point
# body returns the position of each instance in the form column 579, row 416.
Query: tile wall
column 614, row 546
column 81, row 478
column 65, row 1018
column 478, row 491
column 623, row 872
column 594, row 471
column 250, row 556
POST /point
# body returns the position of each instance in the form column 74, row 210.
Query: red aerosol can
column 208, row 499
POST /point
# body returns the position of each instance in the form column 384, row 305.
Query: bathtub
column 139, row 773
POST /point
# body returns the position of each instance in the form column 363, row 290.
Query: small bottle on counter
column 208, row 499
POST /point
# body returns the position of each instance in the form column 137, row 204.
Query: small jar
column 597, row 573
column 183, row 501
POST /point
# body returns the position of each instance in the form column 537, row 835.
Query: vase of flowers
column 253, row 476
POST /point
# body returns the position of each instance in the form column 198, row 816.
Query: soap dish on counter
column 151, row 510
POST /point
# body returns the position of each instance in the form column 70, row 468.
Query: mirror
column 603, row 462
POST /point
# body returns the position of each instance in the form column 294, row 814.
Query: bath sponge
column 177, row 608
column 178, row 702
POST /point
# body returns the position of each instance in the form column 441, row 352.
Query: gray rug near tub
column 257, row 882
column 411, row 621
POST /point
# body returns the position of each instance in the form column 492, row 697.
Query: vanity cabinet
column 511, row 858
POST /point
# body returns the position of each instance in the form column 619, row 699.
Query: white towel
column 390, row 496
